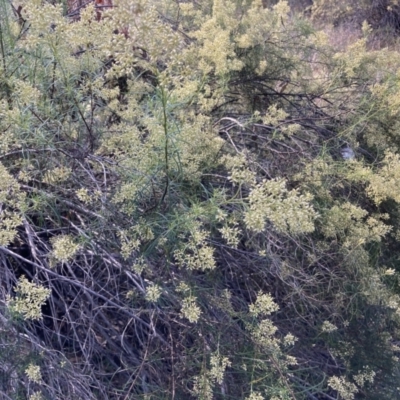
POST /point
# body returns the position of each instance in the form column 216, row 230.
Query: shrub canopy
column 201, row 199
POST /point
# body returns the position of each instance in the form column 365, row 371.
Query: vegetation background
column 199, row 200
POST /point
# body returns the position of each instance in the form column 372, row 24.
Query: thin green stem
column 166, row 154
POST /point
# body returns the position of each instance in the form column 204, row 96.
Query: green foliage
column 173, row 189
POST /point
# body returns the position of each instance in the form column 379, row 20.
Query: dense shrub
column 198, row 200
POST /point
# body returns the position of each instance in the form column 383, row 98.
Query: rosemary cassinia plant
column 176, row 218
